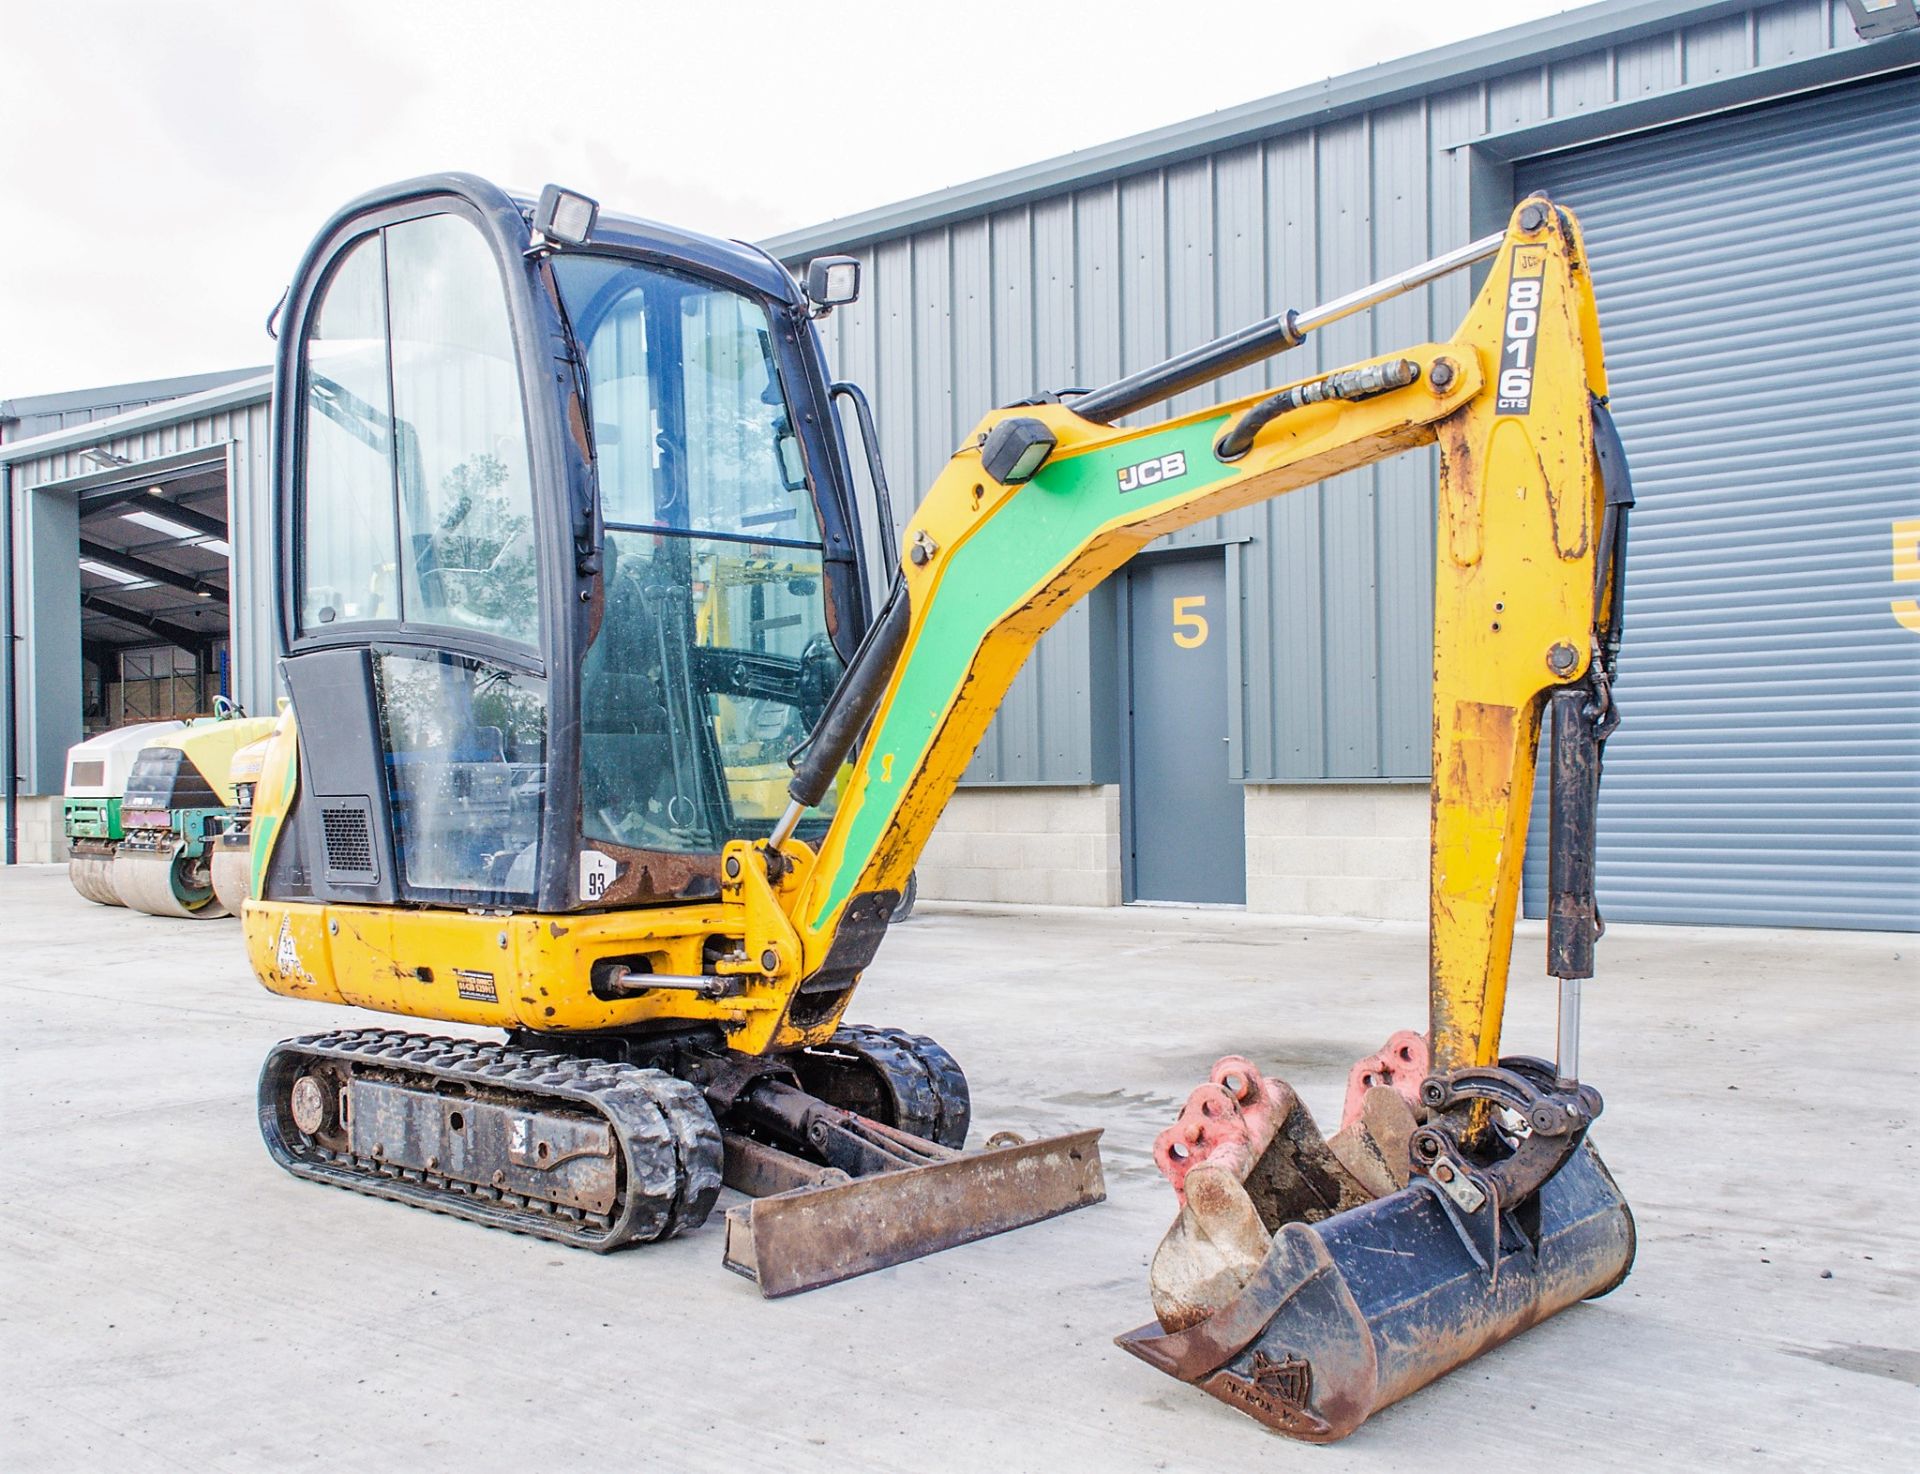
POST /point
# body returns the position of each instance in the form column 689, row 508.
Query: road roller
column 179, row 799
column 97, row 772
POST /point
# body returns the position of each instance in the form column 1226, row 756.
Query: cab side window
column 417, row 499
column 466, row 500
column 349, row 549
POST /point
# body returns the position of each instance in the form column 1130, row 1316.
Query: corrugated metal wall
column 242, row 433
column 1079, row 287
column 1756, row 278
column 42, row 414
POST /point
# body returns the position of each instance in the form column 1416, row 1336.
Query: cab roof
column 669, row 244
column 614, row 234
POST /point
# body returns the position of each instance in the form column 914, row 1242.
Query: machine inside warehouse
column 599, row 736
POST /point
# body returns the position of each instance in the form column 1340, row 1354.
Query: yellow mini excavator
column 571, row 559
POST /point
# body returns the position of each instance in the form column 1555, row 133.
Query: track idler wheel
column 1311, row 1282
column 164, row 884
column 902, row 1080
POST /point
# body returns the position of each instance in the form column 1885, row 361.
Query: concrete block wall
column 1054, row 846
column 1355, row 850
column 43, row 835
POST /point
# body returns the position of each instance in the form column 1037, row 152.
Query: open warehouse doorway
column 155, row 593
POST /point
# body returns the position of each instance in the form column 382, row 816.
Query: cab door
column 411, row 536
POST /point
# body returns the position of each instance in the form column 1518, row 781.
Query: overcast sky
column 169, row 159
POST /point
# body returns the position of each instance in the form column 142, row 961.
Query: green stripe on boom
column 992, row 574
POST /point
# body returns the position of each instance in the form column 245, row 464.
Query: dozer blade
column 1352, row 1313
column 819, row 1235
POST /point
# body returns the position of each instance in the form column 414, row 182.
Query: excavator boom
column 991, row 566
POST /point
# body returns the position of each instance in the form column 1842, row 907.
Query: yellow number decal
column 1189, row 624
column 886, row 767
column 1906, row 569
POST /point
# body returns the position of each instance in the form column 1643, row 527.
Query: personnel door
column 1187, row 821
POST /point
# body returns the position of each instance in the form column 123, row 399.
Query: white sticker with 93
column 596, row 874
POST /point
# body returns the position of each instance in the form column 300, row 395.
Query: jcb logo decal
column 1148, row 473
column 1515, row 395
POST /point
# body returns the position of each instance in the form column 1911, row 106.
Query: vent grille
column 346, row 827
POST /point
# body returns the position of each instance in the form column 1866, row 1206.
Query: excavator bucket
column 1295, row 1289
column 828, row 1227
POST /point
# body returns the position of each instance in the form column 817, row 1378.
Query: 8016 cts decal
column 1515, row 396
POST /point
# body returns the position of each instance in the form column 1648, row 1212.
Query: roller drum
column 232, row 876
column 92, row 877
column 162, row 884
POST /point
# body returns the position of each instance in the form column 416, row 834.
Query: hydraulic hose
column 1360, row 383
column 849, row 709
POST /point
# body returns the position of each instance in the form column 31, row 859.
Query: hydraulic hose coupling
column 1357, row 383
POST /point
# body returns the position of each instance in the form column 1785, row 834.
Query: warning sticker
column 475, row 987
column 1515, row 390
column 286, row 956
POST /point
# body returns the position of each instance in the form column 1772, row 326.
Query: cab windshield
column 712, row 662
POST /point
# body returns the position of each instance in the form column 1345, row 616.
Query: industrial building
column 1748, row 182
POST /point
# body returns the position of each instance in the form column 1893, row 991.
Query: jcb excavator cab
column 571, row 551
column 571, row 567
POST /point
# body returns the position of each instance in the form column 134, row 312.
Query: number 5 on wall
column 1906, row 569
column 1190, row 625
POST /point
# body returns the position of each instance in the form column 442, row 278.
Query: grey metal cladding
column 1043, row 280
column 233, row 423
column 1755, row 281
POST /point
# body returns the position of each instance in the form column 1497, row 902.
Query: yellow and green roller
column 155, row 845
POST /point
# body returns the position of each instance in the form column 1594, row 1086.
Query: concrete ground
column 172, row 1301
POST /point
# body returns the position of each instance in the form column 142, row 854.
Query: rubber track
column 928, row 1082
column 670, row 1144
